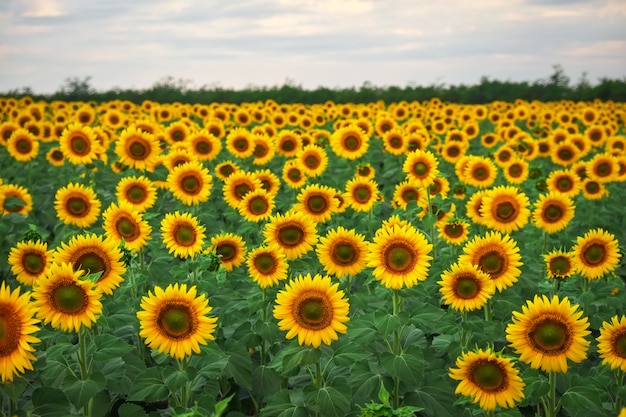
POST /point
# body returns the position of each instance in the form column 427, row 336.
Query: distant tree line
column 555, row 87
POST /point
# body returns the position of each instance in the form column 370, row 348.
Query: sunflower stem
column 619, row 378
column 396, row 349
column 550, row 403
column 488, row 311
column 585, row 284
column 463, row 331
column 430, row 214
column 82, row 362
column 185, row 390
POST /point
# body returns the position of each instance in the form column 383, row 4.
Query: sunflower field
column 291, row 260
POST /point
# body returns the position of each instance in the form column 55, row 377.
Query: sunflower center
column 203, row 148
column 480, row 173
column 492, row 263
column 126, row 227
column 241, row 190
column 241, row 144
column 294, row 174
column 553, row 213
column 564, row 184
column 23, row 145
column 399, row 257
column 505, row 211
column 226, row 170
column 453, row 151
column 69, row 299
column 409, row 195
column 467, row 287
column 33, row 263
column 288, row 145
column 603, row 169
column 594, row 254
column 77, row 206
column 138, row 149
column 317, row 204
column 185, row 235
column 560, row 266
column 10, row 331
column 515, row 170
column 265, row 263
column 618, row 344
column 258, row 206
column 313, row 311
column 345, row 253
column 227, row 250
column 489, row 376
column 565, row 154
column 290, row 235
column 176, row 321
column 592, row 187
column 312, row 162
column 91, row 263
column 177, row 135
column 420, row 169
column 352, row 143
column 362, row 194
column 453, row 229
column 550, row 336
column 191, row 184
column 136, row 194
column 395, row 142
column 80, row 145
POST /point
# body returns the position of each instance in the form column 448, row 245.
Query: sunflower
column 505, row 209
column 400, row 256
column 204, row 146
column 140, row 192
column 137, row 149
column 479, row 172
column 440, row 186
column 421, row 167
column 269, row 181
column 267, row 265
column 239, row 143
column 6, row 131
column 17, row 324
column 564, row 181
column 64, row 300
column 93, row 254
column 190, row 183
column 593, row 189
column 294, row 232
column 225, row 169
column 349, row 142
column 312, row 159
column 454, row 231
column 215, row 126
column 29, row 260
column 15, row 199
column 313, row 309
column 175, row 321
column 176, row 157
column 78, row 205
column 603, row 168
column 122, row 222
column 237, row 185
column 264, row 149
column 516, row 171
column 612, row 343
column 489, row 379
column 465, row 287
column 559, row 264
column 553, row 212
column 504, row 155
column 408, row 191
column 182, row 234
column 365, row 171
column 342, row 252
column 55, row 157
column 293, row 174
column 317, row 202
column 495, row 254
column 230, row 248
column 565, row 153
column 23, row 146
column 256, row 205
column 79, row 144
column 548, row 332
column 474, row 205
column 395, row 142
column 361, row 194
column 596, row 253
column 176, row 132
column 288, row 143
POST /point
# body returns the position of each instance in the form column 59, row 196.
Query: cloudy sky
column 312, row 43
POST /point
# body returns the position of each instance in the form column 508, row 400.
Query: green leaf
column 175, row 379
column 15, row 389
column 265, row 381
column 149, row 386
column 110, row 347
column 81, row 391
column 407, row 366
column 328, row 400
column 437, row 402
column 282, row 405
column 239, row 365
column 583, row 401
column 387, row 323
column 131, row 410
column 221, row 406
column 267, row 330
column 50, row 402
column 114, row 370
column 346, row 354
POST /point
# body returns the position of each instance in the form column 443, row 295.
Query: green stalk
column 488, row 312
column 185, row 390
column 463, row 336
column 619, row 378
column 85, row 370
column 396, row 350
column 550, row 403
column 432, row 227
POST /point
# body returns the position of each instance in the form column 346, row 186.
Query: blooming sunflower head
column 313, row 309
column 342, row 252
column 489, row 379
column 465, row 287
column 548, row 332
column 596, row 254
column 175, row 321
column 267, row 265
column 29, row 260
column 612, row 343
column 182, row 234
